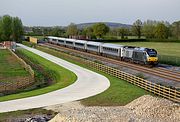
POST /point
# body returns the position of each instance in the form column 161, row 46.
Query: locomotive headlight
column 153, row 59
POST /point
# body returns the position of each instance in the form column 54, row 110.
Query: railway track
column 157, row 71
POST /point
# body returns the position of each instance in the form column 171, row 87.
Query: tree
column 0, row 29
column 123, row 32
column 6, row 26
column 11, row 28
column 149, row 28
column 175, row 29
column 137, row 28
column 161, row 31
column 17, row 29
column 100, row 29
column 57, row 31
column 72, row 30
column 88, row 32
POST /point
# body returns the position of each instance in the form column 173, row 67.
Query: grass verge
column 62, row 78
column 119, row 93
column 10, row 66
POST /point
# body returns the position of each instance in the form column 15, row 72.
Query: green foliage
column 1, row 29
column 57, row 31
column 175, row 29
column 149, row 29
column 100, row 29
column 123, row 32
column 6, row 26
column 137, row 28
column 72, row 30
column 89, row 32
column 17, row 29
column 11, row 29
column 161, row 31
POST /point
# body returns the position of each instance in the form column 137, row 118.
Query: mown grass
column 119, row 93
column 62, row 78
column 10, row 66
column 168, row 52
column 163, row 48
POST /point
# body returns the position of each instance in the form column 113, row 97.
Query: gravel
column 144, row 109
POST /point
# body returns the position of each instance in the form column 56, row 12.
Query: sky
column 63, row 12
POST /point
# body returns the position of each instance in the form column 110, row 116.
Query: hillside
column 110, row 24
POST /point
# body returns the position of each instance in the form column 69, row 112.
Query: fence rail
column 163, row 91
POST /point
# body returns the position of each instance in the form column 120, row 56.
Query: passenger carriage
column 80, row 45
column 61, row 41
column 52, row 40
column 69, row 43
column 94, row 47
column 112, row 50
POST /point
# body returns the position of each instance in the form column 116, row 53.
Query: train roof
column 52, row 37
column 94, row 43
column 112, row 45
column 81, row 41
column 71, row 40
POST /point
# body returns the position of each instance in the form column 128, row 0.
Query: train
column 138, row 55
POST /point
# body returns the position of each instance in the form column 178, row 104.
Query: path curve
column 88, row 84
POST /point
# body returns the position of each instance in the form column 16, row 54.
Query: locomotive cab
column 151, row 56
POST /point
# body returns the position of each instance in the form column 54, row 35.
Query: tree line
column 11, row 29
column 149, row 29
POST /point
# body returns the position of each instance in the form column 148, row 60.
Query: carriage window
column 54, row 40
column 79, row 44
column 61, row 41
column 92, row 46
column 69, row 42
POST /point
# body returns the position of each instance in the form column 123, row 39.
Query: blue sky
column 63, row 12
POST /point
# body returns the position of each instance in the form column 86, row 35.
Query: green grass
column 119, row 93
column 10, row 66
column 168, row 52
column 63, row 78
column 163, row 48
column 38, row 37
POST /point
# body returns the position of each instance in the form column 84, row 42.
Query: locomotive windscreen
column 152, row 52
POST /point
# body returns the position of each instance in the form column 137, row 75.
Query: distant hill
column 109, row 24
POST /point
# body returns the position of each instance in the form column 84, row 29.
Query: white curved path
column 88, row 84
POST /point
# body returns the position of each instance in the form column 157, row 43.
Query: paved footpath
column 88, row 84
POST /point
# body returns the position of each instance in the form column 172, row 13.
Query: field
column 10, row 67
column 61, row 76
column 165, row 48
column 119, row 93
column 169, row 52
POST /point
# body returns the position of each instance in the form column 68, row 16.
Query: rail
column 163, row 91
